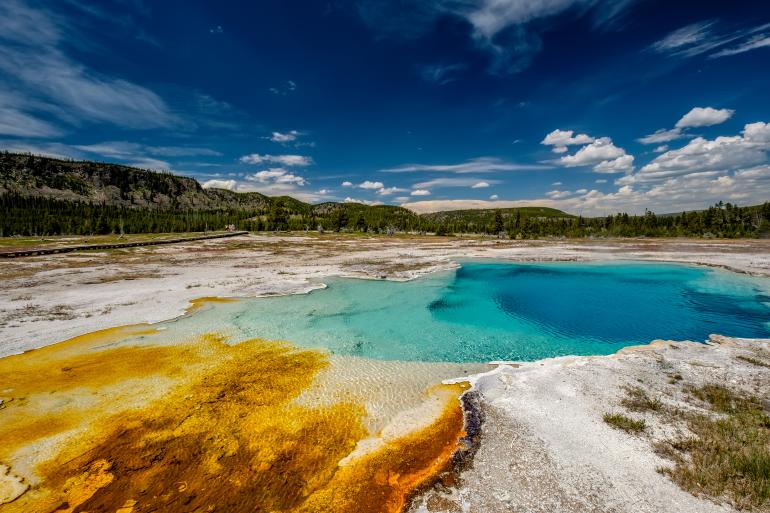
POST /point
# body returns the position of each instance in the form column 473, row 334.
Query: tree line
column 41, row 216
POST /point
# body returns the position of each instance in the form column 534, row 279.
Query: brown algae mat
column 92, row 425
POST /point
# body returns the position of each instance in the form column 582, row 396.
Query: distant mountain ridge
column 125, row 186
column 47, row 196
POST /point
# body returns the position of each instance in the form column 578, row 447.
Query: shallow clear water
column 487, row 311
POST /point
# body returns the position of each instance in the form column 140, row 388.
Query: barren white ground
column 544, row 444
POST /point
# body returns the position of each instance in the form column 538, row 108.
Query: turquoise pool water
column 487, row 311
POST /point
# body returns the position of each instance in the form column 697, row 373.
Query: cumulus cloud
column 387, row 191
column 719, row 154
column 697, row 117
column 230, row 185
column 493, row 197
column 370, row 185
column 661, row 148
column 286, row 137
column 561, row 139
column 420, row 192
column 603, row 155
column 277, row 175
column 480, row 185
column 363, row 202
column 347, row 184
column 704, row 116
column 284, row 160
column 556, row 194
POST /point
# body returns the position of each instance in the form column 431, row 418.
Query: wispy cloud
column 760, row 41
column 32, row 58
column 441, row 74
column 472, row 182
column 477, row 165
column 704, row 38
column 284, row 160
column 508, row 30
column 15, row 121
column 128, row 150
column 288, row 87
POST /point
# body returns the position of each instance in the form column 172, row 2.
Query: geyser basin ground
column 488, row 311
column 95, row 423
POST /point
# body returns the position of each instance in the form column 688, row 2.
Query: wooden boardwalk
column 85, row 247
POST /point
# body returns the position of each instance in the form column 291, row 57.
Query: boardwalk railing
column 116, row 245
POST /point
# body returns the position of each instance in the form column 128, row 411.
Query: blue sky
column 587, row 105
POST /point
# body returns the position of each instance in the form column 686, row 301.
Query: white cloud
column 504, row 28
column 480, row 185
column 286, row 137
column 760, row 41
column 661, row 148
column 493, row 197
column 684, row 37
column 601, row 180
column 561, row 139
column 285, row 160
column 370, row 185
column 347, row 184
column 441, row 74
column 699, row 155
column 125, row 150
column 703, row 38
column 33, row 59
column 477, row 165
column 220, row 184
column 556, row 184
column 661, row 136
column 150, row 163
column 556, row 194
column 603, row 155
column 387, row 191
column 618, row 165
column 277, row 175
column 452, row 182
column 363, row 202
column 697, row 117
column 290, row 86
column 704, row 116
column 420, row 192
column 324, row 192
column 17, row 123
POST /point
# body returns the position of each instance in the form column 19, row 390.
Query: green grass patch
column 627, row 424
column 754, row 361
column 637, row 400
column 728, row 455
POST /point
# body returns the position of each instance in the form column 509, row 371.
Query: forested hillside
column 45, row 196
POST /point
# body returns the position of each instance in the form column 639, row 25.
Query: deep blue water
column 487, row 311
